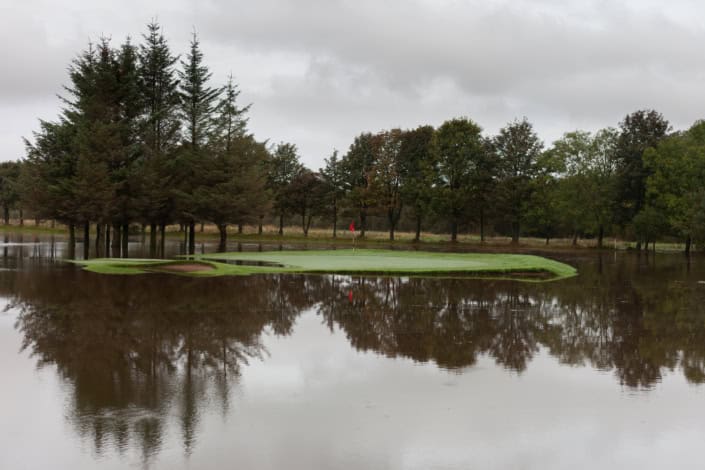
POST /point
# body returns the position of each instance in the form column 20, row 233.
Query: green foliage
column 284, row 165
column 159, row 129
column 639, row 131
column 305, row 196
column 117, row 154
column 588, row 186
column 144, row 137
column 517, row 148
column 542, row 210
column 358, row 167
column 333, row 180
column 460, row 149
column 388, row 181
column 198, row 100
column 233, row 189
column 674, row 187
column 419, row 171
column 158, row 86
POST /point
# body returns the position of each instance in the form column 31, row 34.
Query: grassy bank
column 323, row 237
column 364, row 261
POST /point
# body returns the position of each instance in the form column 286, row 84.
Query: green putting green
column 417, row 263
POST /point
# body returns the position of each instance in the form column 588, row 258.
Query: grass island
column 361, row 262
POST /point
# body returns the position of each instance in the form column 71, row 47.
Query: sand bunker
column 184, row 267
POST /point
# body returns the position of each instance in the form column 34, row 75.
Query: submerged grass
column 365, row 261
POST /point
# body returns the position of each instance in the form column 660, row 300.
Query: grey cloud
column 320, row 71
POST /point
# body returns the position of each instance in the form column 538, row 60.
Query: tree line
column 144, row 137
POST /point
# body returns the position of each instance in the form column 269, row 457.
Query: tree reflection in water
column 139, row 350
column 137, row 353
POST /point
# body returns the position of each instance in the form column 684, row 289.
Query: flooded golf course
column 164, row 371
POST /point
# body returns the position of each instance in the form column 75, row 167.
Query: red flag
column 352, row 226
column 350, row 296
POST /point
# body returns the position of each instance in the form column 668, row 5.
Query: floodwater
column 605, row 370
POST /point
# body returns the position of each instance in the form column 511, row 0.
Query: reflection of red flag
column 352, row 226
column 350, row 297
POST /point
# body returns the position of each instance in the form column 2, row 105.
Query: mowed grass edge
column 365, row 261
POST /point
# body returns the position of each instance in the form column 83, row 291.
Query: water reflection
column 138, row 351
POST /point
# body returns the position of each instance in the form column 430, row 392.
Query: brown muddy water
column 605, row 370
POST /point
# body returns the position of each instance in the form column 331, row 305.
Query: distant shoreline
column 293, row 235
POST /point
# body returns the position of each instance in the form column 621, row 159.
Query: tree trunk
column 335, row 219
column 117, row 242
column 21, row 217
column 6, row 214
column 638, row 245
column 600, row 236
column 125, row 239
column 239, row 229
column 98, row 238
column 202, row 227
column 152, row 239
column 392, row 224
column 281, row 224
column 308, row 224
column 223, row 231
column 575, row 239
column 417, row 236
column 454, row 231
column 304, row 226
column 515, row 233
column 688, row 243
column 482, row 226
column 363, row 223
column 86, row 239
column 259, row 229
column 72, row 241
column 162, row 239
column 547, row 239
column 107, row 240
column 192, row 238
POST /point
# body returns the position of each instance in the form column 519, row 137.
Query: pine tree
column 232, row 119
column 159, row 130
column 197, row 112
column 333, row 180
column 160, row 94
column 198, row 100
column 284, row 166
column 233, row 189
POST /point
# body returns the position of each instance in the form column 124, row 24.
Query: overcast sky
column 318, row 72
